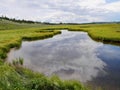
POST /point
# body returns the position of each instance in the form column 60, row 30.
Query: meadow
column 16, row 77
column 101, row 32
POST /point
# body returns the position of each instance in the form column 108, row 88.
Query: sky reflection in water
column 71, row 55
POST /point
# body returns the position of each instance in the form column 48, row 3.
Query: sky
column 67, row 11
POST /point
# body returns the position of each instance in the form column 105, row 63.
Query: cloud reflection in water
column 71, row 55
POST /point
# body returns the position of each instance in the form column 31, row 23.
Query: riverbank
column 16, row 77
column 19, row 78
column 13, row 38
column 106, row 33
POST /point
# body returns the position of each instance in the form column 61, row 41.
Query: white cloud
column 60, row 11
column 113, row 7
column 91, row 3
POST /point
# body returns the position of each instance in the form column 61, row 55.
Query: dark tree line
column 17, row 20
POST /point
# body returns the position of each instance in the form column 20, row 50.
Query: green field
column 15, row 77
column 102, row 32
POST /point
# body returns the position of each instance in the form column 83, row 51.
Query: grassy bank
column 15, row 77
column 19, row 78
column 101, row 32
column 13, row 38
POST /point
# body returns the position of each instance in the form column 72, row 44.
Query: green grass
column 5, row 25
column 101, row 32
column 15, row 77
column 13, row 38
column 19, row 78
column 18, row 62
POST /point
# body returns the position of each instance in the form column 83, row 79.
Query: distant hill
column 105, row 22
column 7, row 24
column 17, row 20
column 4, row 21
column 2, row 18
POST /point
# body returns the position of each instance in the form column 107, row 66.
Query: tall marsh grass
column 19, row 78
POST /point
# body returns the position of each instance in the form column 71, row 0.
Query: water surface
column 73, row 55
